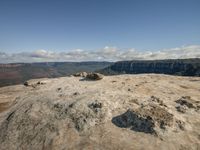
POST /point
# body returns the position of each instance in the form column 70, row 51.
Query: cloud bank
column 104, row 54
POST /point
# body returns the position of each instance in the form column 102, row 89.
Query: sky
column 73, row 30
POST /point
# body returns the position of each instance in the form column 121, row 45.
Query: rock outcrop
column 35, row 83
column 80, row 74
column 118, row 112
column 94, row 76
column 185, row 102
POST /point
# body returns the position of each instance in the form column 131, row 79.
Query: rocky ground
column 145, row 111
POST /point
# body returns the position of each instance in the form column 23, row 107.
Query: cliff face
column 185, row 67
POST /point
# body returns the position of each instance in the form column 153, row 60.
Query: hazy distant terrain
column 11, row 74
column 17, row 73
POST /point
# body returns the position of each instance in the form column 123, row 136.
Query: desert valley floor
column 145, row 111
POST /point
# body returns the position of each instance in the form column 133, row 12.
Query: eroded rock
column 158, row 101
column 70, row 114
column 95, row 106
column 34, row 83
column 145, row 119
column 94, row 76
column 160, row 115
column 181, row 108
column 186, row 102
column 35, row 124
column 80, row 74
column 83, row 115
column 135, row 121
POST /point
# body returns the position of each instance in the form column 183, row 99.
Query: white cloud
column 104, row 54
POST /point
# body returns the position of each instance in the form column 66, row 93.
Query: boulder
column 80, row 74
column 94, row 76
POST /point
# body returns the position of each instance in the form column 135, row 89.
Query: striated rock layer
column 145, row 111
column 183, row 67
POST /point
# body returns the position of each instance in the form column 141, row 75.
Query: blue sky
column 65, row 25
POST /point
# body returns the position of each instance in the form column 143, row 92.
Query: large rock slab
column 118, row 112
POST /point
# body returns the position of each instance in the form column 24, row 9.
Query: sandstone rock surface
column 119, row 112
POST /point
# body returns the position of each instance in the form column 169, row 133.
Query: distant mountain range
column 17, row 73
column 183, row 67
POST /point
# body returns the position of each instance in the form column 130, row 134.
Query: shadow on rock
column 135, row 122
